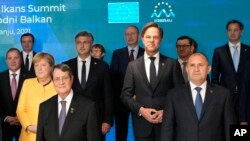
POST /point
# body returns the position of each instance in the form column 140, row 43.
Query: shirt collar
column 17, row 72
column 136, row 48
column 157, row 56
column 193, row 86
column 86, row 59
column 231, row 44
column 68, row 98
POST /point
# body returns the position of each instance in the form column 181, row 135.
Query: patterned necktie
column 27, row 62
column 198, row 102
column 131, row 55
column 83, row 80
column 62, row 116
column 152, row 73
column 13, row 86
column 236, row 57
column 184, row 72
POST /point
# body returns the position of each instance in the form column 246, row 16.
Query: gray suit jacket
column 136, row 83
column 81, row 123
column 180, row 122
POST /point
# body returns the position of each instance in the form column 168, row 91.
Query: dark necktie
column 184, row 72
column 152, row 72
column 27, row 62
column 131, row 55
column 198, row 102
column 83, row 80
column 13, row 86
column 62, row 116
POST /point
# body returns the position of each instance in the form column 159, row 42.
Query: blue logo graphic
column 123, row 12
column 163, row 12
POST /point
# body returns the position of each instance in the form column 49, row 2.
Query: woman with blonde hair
column 35, row 91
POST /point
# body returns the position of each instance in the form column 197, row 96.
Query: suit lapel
column 141, row 67
column 70, row 115
column 229, row 56
column 162, row 66
column 92, row 72
column 243, row 57
column 208, row 99
column 189, row 101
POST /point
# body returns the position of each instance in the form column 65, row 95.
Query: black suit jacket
column 81, row 123
column 7, row 104
column 119, row 63
column 136, row 83
column 244, row 103
column 31, row 72
column 180, row 122
column 97, row 88
column 224, row 74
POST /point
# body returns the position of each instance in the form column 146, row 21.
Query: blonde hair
column 46, row 56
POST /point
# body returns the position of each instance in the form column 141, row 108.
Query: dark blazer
column 81, row 123
column 97, row 88
column 244, row 100
column 119, row 63
column 180, row 122
column 136, row 83
column 223, row 72
column 31, row 72
column 7, row 104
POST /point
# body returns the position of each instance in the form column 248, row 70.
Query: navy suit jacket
column 244, row 103
column 119, row 63
column 81, row 123
column 223, row 72
column 97, row 88
column 136, row 83
column 180, row 122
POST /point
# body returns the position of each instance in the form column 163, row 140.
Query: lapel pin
column 72, row 110
column 211, row 91
column 245, row 49
column 162, row 64
column 95, row 63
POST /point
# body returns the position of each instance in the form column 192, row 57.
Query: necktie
column 236, row 57
column 131, row 55
column 27, row 63
column 62, row 116
column 83, row 80
column 152, row 73
column 184, row 72
column 13, row 86
column 198, row 102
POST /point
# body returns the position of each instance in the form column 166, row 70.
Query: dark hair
column 235, row 22
column 191, row 41
column 84, row 33
column 63, row 68
column 133, row 26
column 100, row 46
column 13, row 49
column 27, row 34
column 151, row 24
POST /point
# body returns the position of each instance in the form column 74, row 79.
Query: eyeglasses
column 182, row 46
column 62, row 79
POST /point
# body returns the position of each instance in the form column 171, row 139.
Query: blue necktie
column 198, row 102
column 236, row 57
column 62, row 116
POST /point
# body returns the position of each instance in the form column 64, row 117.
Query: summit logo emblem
column 163, row 13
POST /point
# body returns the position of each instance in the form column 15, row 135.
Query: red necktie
column 13, row 86
column 131, row 55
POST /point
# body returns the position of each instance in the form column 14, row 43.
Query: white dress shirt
column 203, row 87
column 79, row 67
column 148, row 61
column 68, row 100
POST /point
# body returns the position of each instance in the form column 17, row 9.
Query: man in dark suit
column 67, row 116
column 146, row 83
column 11, row 82
column 244, row 97
column 120, row 59
column 27, row 41
column 198, row 110
column 229, row 61
column 92, row 79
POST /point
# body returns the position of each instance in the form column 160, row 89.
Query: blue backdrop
column 55, row 23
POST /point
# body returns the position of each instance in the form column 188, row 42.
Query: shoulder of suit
column 120, row 50
column 50, row 100
column 70, row 61
column 83, row 100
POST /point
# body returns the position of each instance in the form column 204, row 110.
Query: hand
column 32, row 128
column 159, row 115
column 12, row 120
column 149, row 114
column 243, row 123
column 105, row 128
